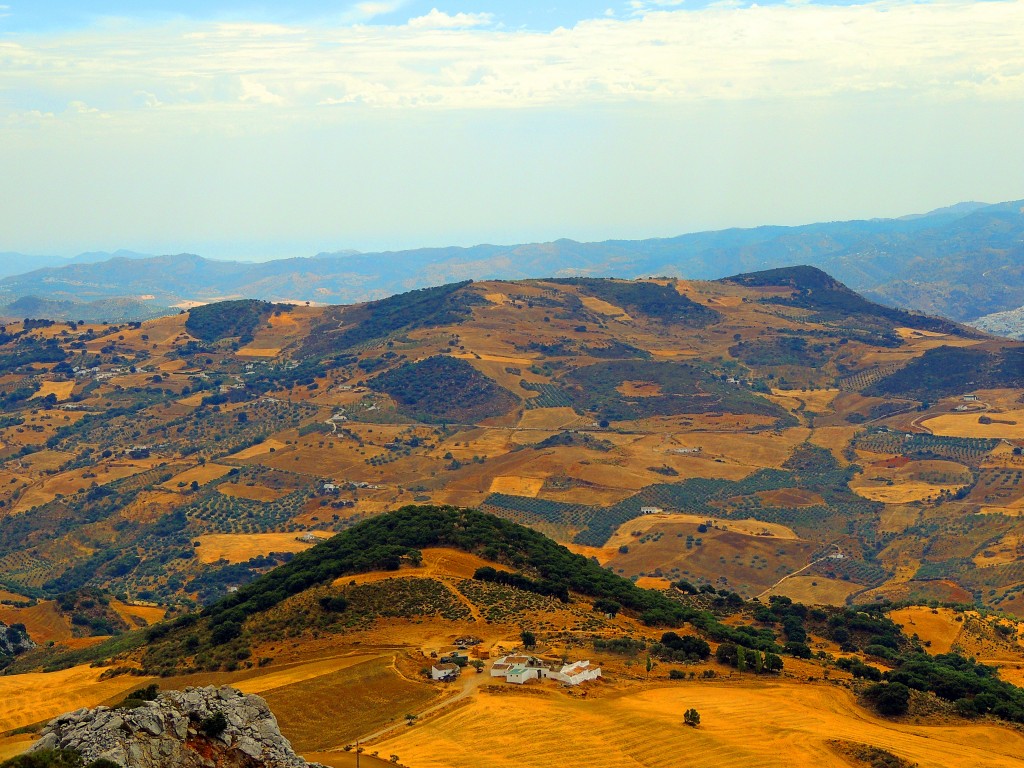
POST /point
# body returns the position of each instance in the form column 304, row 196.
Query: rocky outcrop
column 14, row 640
column 195, row 728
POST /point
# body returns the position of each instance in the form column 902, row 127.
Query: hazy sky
column 238, row 129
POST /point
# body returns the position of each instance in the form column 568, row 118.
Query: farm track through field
column 801, row 570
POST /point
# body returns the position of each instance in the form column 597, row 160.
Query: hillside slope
column 770, row 433
column 960, row 262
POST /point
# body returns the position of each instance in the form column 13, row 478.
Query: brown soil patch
column 639, row 389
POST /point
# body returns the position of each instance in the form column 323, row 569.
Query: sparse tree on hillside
column 691, row 717
column 528, row 638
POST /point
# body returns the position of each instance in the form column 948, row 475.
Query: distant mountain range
column 962, row 262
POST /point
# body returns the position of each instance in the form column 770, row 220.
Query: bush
column 214, row 725
column 889, row 698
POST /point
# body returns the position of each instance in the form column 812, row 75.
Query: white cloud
column 936, row 51
column 440, row 20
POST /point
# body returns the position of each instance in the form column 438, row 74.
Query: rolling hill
column 768, row 433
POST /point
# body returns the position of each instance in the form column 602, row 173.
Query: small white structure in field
column 579, row 672
column 651, row 510
column 445, row 672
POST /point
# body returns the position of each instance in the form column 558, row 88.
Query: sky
column 252, row 130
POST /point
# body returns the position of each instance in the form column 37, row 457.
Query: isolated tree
column 528, row 638
column 691, row 717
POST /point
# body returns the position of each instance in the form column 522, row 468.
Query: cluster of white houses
column 519, row 668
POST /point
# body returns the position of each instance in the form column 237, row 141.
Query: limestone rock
column 168, row 733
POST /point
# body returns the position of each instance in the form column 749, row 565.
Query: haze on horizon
column 237, row 130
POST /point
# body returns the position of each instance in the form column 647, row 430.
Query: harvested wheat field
column 517, row 486
column 258, row 450
column 604, row 308
column 202, row 474
column 43, row 621
column 817, row 400
column 313, row 716
column 251, row 492
column 36, row 697
column 240, row 547
column 299, row 673
column 1008, row 425
column 549, row 418
column 60, row 389
column 815, row 590
column 902, row 493
column 670, row 523
column 936, row 625
column 259, row 352
column 138, row 615
column 743, row 725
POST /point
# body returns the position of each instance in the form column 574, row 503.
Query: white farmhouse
column 576, row 673
column 445, row 671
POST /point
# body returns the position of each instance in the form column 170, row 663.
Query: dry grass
column 36, row 697
column 240, row 547
column 639, row 388
column 768, row 725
